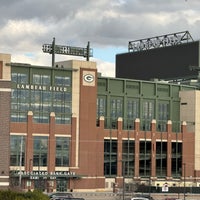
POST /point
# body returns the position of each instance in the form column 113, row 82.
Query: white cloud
column 26, row 25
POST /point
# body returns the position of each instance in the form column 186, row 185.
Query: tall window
column 63, row 80
column 41, row 105
column 128, row 152
column 161, row 159
column 62, row 107
column 17, row 150
column 148, row 114
column 62, row 151
column 42, row 94
column 145, row 158
column 116, row 106
column 19, row 105
column 40, row 149
column 163, row 115
column 41, row 79
column 176, row 159
column 110, row 157
column 62, row 100
column 101, row 107
column 19, row 78
column 19, row 98
column 132, row 112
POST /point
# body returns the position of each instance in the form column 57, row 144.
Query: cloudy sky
column 108, row 24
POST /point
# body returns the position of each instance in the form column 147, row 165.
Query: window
column 41, row 79
column 63, row 80
column 62, row 107
column 128, row 157
column 110, row 157
column 19, row 105
column 132, row 112
column 116, row 106
column 161, row 159
column 147, row 114
column 41, row 94
column 101, row 107
column 19, row 78
column 176, row 159
column 163, row 115
column 41, row 105
column 145, row 158
column 17, row 150
column 40, row 149
column 62, row 151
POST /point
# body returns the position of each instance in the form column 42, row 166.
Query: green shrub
column 12, row 195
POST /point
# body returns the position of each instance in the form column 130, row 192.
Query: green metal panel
column 116, row 86
column 175, row 91
column 163, row 90
column 132, row 88
column 148, row 89
column 102, row 85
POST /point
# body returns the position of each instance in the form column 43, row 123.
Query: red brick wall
column 4, row 130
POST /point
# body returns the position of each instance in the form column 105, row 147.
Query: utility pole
column 123, row 173
column 20, row 162
column 184, row 165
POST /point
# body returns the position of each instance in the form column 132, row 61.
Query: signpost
column 160, row 41
column 67, row 50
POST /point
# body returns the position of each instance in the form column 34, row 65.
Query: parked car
column 139, row 198
column 60, row 198
column 65, row 198
column 61, row 194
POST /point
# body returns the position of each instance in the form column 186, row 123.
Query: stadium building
column 67, row 128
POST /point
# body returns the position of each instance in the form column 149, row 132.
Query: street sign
column 67, row 50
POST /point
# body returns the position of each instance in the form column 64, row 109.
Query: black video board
column 162, row 63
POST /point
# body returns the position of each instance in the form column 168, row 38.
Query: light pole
column 184, row 165
column 30, row 161
column 123, row 174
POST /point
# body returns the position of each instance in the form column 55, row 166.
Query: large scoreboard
column 163, row 62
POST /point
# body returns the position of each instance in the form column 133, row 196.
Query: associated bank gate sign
column 34, row 175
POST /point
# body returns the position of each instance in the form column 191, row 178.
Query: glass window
column 40, row 151
column 62, row 80
column 41, row 97
column 62, row 107
column 17, row 150
column 116, row 106
column 163, row 115
column 41, row 79
column 110, row 157
column 128, row 157
column 147, row 114
column 101, row 107
column 176, row 159
column 132, row 113
column 19, row 105
column 62, row 151
column 19, row 78
column 41, row 105
column 161, row 159
column 145, row 158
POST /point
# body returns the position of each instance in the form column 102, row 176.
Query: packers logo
column 89, row 78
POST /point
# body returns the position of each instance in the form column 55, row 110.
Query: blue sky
column 108, row 54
